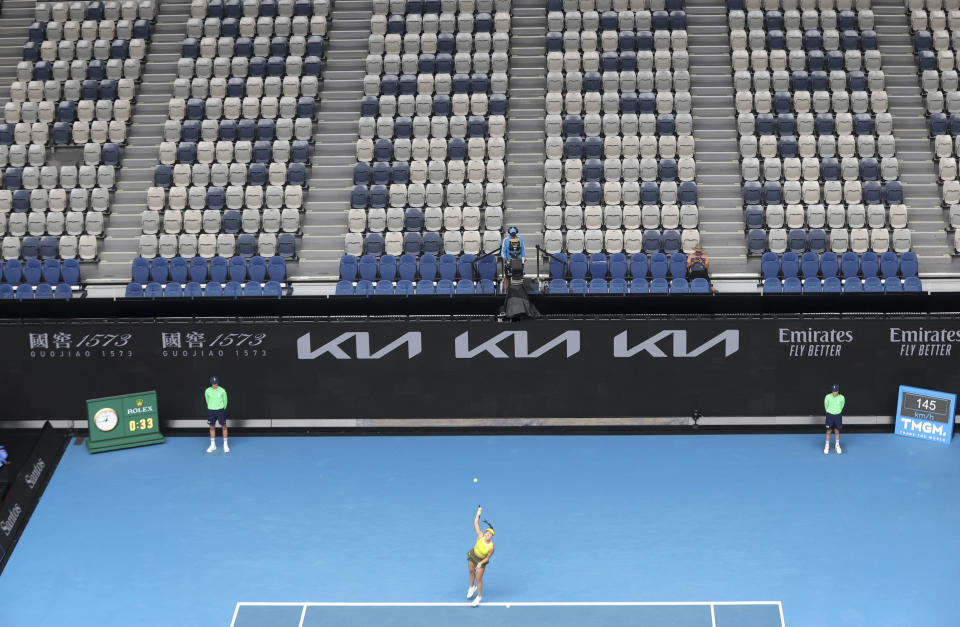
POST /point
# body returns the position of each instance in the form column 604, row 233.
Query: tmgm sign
column 925, row 414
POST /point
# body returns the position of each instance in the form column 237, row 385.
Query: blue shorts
column 214, row 415
column 834, row 421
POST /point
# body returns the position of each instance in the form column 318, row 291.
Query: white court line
column 505, row 603
column 713, row 617
column 236, row 611
column 303, row 615
column 780, row 605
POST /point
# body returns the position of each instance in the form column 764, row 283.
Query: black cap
column 214, row 380
column 836, row 387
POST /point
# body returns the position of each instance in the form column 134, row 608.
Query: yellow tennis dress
column 479, row 552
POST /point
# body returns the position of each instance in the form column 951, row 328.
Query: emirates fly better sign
column 925, row 414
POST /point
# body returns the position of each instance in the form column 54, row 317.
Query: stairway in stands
column 719, row 189
column 911, row 130
column 15, row 19
column 334, row 151
column 119, row 246
column 526, row 137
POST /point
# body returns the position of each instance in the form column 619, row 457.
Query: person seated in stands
column 514, row 253
column 698, row 265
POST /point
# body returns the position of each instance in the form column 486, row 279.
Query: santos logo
column 678, row 348
column 412, row 341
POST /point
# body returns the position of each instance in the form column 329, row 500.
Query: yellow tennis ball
column 475, row 480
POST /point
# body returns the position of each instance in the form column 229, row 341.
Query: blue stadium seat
column 852, row 285
column 812, row 286
column 659, row 266
column 237, row 269
column 639, row 265
column 383, row 288
column 344, row 288
column 789, row 265
column 617, row 266
column 639, row 285
column 832, row 285
column 179, row 269
column 425, row 287
column 447, row 267
column 770, row 266
column 62, row 291
column 873, row 285
column 70, row 272
column 678, row 266
column 428, row 268
column 388, row 268
column 43, row 292
column 404, row 287
column 598, row 266
column 849, row 265
column 578, row 266
column 618, row 286
column 700, row 285
column 756, row 241
column 869, row 265
column 889, row 266
column 893, row 285
column 193, row 290
column 659, row 286
column 810, row 265
column 159, row 270
column 233, row 289
column 140, row 270
column 216, row 289
column 445, row 287
column 829, row 265
column 578, row 286
column 597, row 286
column 912, row 284
column 277, row 269
column 792, row 285
column 172, row 290
column 772, row 286
column 557, row 286
column 154, row 290
column 908, row 264
column 134, row 290
column 465, row 286
column 250, row 288
column 679, row 286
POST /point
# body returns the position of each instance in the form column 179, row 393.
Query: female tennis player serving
column 478, row 557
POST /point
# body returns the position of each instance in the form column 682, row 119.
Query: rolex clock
column 123, row 421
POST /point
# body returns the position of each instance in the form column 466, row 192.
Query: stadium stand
column 236, row 147
column 934, row 27
column 818, row 156
column 427, row 197
column 620, row 169
column 62, row 136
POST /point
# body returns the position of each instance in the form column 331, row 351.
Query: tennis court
column 658, row 527
column 602, row 614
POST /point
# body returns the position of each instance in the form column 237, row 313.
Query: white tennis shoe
column 839, row 452
column 826, row 448
column 226, row 447
column 476, row 602
column 211, row 448
column 472, row 590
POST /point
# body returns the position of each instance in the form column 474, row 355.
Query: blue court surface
column 665, row 531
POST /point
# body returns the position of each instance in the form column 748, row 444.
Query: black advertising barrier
column 27, row 489
column 309, row 369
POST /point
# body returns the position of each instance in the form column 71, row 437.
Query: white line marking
column 511, row 603
column 303, row 615
column 713, row 616
column 780, row 605
column 236, row 610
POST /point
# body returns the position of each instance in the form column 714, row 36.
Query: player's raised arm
column 476, row 521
